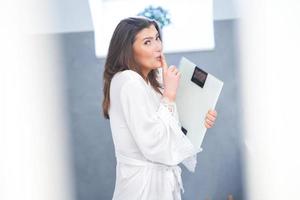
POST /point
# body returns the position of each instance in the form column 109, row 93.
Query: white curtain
column 270, row 46
column 34, row 146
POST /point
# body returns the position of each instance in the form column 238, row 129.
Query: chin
column 156, row 67
column 158, row 64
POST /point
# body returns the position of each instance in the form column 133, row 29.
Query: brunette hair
column 120, row 55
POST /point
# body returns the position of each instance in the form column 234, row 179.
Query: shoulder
column 128, row 77
column 132, row 75
column 129, row 82
column 131, row 87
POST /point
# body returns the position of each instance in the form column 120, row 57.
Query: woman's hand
column 171, row 77
column 210, row 118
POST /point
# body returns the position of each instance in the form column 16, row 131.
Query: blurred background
column 55, row 143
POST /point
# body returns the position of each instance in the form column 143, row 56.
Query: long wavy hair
column 120, row 55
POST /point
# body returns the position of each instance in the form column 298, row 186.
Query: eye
column 147, row 42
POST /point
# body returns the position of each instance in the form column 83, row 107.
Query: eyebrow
column 157, row 34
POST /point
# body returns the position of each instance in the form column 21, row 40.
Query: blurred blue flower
column 159, row 14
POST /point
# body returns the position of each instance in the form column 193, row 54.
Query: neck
column 145, row 75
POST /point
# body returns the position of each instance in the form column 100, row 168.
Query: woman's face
column 147, row 49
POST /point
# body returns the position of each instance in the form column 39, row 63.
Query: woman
column 148, row 140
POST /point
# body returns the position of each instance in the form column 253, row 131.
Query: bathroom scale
column 198, row 92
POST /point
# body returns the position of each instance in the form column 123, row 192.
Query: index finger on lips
column 164, row 62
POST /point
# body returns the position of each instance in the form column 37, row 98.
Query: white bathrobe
column 148, row 141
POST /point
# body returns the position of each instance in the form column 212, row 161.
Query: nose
column 158, row 45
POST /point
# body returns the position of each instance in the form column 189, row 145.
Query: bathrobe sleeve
column 156, row 130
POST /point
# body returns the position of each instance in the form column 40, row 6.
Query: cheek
column 144, row 58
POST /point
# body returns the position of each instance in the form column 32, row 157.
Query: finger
column 175, row 70
column 172, row 68
column 164, row 63
column 209, row 120
column 213, row 113
column 207, row 125
column 211, row 117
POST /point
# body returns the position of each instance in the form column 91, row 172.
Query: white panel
column 35, row 157
column 270, row 92
column 191, row 28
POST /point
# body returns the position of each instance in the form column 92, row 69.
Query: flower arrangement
column 159, row 14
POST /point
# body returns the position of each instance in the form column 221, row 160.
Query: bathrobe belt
column 176, row 170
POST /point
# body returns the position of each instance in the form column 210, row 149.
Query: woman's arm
column 155, row 130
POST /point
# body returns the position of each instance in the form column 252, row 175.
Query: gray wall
column 219, row 170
